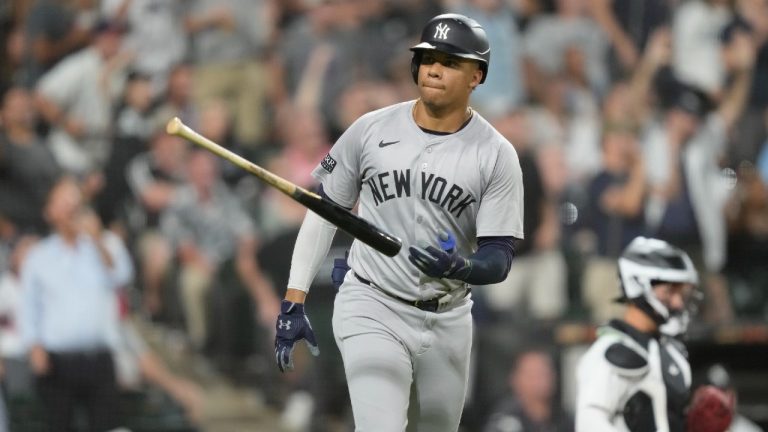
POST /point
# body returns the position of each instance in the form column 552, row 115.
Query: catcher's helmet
column 453, row 34
column 646, row 261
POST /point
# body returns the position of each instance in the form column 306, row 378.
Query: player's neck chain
column 467, row 117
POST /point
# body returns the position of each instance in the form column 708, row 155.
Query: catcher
column 636, row 376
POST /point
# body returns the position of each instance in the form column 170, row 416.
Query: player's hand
column 440, row 263
column 292, row 325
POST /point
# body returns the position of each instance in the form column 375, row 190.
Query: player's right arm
column 312, row 244
column 339, row 177
column 338, row 174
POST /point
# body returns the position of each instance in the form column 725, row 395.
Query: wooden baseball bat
column 356, row 226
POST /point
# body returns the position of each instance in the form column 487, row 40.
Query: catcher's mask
column 647, row 262
column 456, row 35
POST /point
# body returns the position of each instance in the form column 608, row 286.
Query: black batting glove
column 441, row 263
column 292, row 326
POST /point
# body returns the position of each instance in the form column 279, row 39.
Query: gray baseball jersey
column 414, row 185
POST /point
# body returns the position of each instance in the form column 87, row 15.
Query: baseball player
column 436, row 174
column 636, row 376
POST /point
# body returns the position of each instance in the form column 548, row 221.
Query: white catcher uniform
column 405, row 365
column 629, row 381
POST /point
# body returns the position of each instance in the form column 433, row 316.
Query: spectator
column 177, row 99
column 68, row 314
column 304, row 142
column 215, row 123
column 566, row 129
column 208, row 227
column 687, row 194
column 228, row 48
column 8, row 235
column 531, row 405
column 504, row 89
column 54, row 29
column 363, row 96
column 697, row 48
column 629, row 106
column 154, row 177
column 628, row 25
column 617, row 194
column 133, row 114
column 12, row 44
column 136, row 363
column 762, row 159
column 313, row 86
column 15, row 375
column 327, row 35
column 27, row 167
column 751, row 131
column 549, row 38
column 156, row 36
column 753, row 15
column 75, row 98
column 132, row 131
column 616, row 202
column 537, row 287
column 747, row 217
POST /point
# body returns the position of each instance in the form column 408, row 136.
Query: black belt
column 430, row 305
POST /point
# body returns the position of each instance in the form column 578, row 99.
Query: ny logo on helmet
column 284, row 325
column 441, row 31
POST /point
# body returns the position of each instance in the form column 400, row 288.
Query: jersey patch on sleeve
column 328, row 163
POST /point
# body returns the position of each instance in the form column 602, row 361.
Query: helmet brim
column 449, row 49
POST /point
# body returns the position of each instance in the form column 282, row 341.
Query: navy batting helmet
column 456, row 35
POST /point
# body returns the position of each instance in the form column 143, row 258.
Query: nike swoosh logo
column 384, row 144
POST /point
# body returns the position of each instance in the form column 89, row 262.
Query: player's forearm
column 312, row 245
column 492, row 261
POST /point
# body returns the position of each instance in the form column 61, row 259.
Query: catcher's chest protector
column 657, row 383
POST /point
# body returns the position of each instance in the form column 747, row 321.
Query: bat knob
column 174, row 126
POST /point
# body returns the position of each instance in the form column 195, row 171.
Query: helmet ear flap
column 415, row 63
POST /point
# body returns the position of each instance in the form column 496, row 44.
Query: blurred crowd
column 629, row 117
